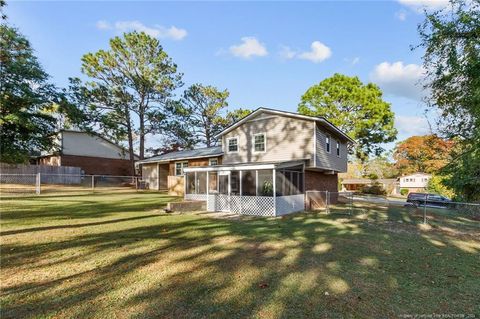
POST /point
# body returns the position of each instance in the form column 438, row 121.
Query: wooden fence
column 49, row 174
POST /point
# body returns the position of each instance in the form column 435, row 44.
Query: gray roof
column 186, row 154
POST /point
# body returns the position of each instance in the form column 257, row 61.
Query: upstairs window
column 232, row 145
column 213, row 161
column 338, row 149
column 259, row 142
column 179, row 166
column 327, row 143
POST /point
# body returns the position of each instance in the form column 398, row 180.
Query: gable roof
column 321, row 120
column 186, row 154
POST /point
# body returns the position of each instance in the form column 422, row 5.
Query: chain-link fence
column 423, row 210
column 36, row 184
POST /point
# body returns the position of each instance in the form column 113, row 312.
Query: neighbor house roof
column 186, row 154
column 289, row 114
column 368, row 181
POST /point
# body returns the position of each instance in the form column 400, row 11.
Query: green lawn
column 118, row 255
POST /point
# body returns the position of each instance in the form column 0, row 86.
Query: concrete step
column 187, row 206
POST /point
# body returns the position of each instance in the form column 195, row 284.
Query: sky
column 267, row 54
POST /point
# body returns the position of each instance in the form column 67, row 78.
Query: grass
column 118, row 255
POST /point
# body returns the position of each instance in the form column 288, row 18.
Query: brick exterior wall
column 318, row 181
column 98, row 165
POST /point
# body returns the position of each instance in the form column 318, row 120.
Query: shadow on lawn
column 304, row 265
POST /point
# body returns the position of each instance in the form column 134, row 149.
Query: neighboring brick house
column 94, row 154
column 266, row 163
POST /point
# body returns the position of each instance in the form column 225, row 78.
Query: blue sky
column 265, row 53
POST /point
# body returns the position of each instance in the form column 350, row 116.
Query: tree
column 356, row 108
column 235, row 116
column 427, row 153
column 131, row 85
column 25, row 126
column 199, row 114
column 381, row 167
column 451, row 40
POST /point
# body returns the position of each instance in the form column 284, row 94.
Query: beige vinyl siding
column 150, row 175
column 286, row 139
column 330, row 160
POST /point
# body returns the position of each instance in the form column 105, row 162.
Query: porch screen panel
column 279, row 183
column 265, row 182
column 235, row 183
column 190, row 182
column 249, row 187
column 213, row 182
column 201, row 182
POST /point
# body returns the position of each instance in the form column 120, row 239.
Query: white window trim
column 212, row 159
column 338, row 147
column 238, row 146
column 329, row 150
column 180, row 162
column 264, row 142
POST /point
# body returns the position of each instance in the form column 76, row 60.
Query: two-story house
column 417, row 182
column 266, row 163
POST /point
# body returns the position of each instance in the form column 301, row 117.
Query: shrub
column 375, row 189
column 404, row 192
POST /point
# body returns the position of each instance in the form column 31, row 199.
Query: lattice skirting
column 251, row 205
column 289, row 204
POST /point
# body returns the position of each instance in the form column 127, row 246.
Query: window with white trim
column 232, row 145
column 259, row 142
column 179, row 166
column 213, row 161
column 327, row 143
column 338, row 148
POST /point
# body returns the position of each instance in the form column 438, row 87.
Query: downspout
column 314, row 144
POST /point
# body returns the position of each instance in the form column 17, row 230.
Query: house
column 356, row 184
column 94, row 154
column 417, row 182
column 265, row 165
column 165, row 172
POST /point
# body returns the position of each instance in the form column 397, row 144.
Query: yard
column 118, row 255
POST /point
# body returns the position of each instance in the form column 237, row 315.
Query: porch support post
column 208, row 186
column 274, row 192
column 241, row 192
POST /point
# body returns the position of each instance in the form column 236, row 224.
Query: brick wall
column 318, row 181
column 99, row 165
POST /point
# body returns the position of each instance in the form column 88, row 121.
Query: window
column 338, row 149
column 213, row 161
column 232, row 145
column 327, row 143
column 259, row 142
column 179, row 166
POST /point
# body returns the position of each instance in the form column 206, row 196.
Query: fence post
column 38, row 181
column 425, row 210
column 326, row 202
column 93, row 183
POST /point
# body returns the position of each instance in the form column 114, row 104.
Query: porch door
column 223, row 197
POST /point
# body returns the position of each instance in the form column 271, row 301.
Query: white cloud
column 249, row 47
column 157, row 31
column 411, row 125
column 319, row 52
column 401, row 15
column 103, row 25
column 399, row 79
column 287, row 53
column 420, row 5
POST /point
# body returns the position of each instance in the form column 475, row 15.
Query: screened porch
column 259, row 189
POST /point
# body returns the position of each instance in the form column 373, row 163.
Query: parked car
column 428, row 199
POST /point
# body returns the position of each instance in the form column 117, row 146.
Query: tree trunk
column 130, row 141
column 142, row 134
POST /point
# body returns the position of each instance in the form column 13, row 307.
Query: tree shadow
column 302, row 265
